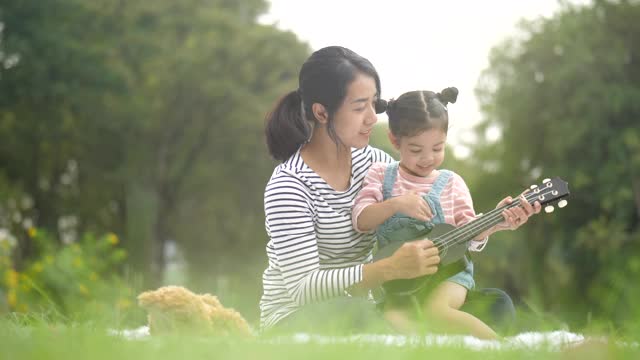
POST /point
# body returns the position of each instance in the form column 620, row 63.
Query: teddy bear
column 173, row 309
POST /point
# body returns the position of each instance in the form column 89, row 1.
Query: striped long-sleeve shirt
column 314, row 253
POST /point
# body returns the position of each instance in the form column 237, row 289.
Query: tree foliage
column 565, row 94
column 144, row 119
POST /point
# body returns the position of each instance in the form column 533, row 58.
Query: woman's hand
column 414, row 205
column 518, row 215
column 413, row 259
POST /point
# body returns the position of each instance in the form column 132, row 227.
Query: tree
column 565, row 96
column 145, row 119
column 56, row 86
column 205, row 88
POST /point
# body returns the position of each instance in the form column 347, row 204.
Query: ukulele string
column 493, row 217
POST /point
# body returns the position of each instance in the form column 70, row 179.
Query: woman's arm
column 289, row 221
column 412, row 259
column 293, row 248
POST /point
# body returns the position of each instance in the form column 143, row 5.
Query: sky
column 415, row 44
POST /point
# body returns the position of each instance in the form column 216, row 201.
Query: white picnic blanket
column 553, row 340
column 535, row 340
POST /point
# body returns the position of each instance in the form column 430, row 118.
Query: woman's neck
column 321, row 149
column 330, row 161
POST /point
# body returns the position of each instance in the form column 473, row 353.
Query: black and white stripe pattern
column 314, row 252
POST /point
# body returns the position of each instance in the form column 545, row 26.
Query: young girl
column 415, row 191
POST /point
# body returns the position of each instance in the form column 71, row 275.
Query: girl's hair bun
column 448, row 95
column 381, row 106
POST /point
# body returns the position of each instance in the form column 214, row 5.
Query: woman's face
column 354, row 119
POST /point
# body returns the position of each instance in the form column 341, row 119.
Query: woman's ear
column 320, row 113
column 394, row 140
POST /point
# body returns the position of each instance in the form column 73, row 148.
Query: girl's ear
column 394, row 140
column 320, row 113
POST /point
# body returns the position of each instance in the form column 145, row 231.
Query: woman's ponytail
column 324, row 79
column 286, row 128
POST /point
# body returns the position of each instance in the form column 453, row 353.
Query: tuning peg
column 562, row 203
column 549, row 209
column 546, row 180
column 533, row 187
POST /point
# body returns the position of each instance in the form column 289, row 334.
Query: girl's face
column 354, row 119
column 421, row 154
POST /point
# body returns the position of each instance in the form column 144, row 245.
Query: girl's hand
column 516, row 216
column 414, row 205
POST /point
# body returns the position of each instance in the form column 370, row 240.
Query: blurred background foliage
column 132, row 153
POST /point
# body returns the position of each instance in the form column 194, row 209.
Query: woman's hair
column 324, row 79
column 417, row 111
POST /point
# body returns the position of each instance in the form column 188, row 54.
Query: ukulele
column 452, row 242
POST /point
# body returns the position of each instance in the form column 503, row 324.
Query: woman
column 321, row 132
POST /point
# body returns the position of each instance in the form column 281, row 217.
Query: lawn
column 34, row 337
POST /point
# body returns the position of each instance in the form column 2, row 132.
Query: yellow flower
column 12, row 299
column 11, row 278
column 25, row 287
column 123, row 304
column 25, row 284
column 32, row 232
column 77, row 262
column 83, row 289
column 112, row 239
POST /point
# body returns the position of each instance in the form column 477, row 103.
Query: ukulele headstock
column 550, row 192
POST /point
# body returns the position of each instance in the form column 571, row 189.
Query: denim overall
column 401, row 227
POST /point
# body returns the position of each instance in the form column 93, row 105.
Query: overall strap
column 433, row 197
column 440, row 183
column 390, row 174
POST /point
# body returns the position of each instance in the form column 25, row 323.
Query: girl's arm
column 370, row 194
column 464, row 213
column 411, row 204
column 370, row 210
column 516, row 216
column 373, row 215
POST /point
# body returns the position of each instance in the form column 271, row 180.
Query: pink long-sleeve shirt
column 455, row 198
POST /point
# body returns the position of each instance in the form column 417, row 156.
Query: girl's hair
column 417, row 111
column 324, row 79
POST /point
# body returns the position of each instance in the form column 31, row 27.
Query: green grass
column 37, row 337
